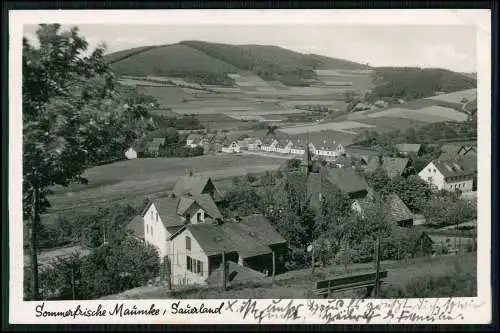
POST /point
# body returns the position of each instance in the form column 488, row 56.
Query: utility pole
column 274, row 264
column 168, row 273
column 312, row 259
column 224, row 278
column 377, row 267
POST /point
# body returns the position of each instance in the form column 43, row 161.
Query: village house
column 407, row 148
column 196, row 185
column 196, row 250
column 193, row 140
column 254, row 144
column 463, row 154
column 346, row 180
column 231, row 147
column 243, row 143
column 449, row 175
column 131, row 153
column 269, row 144
column 284, row 146
column 153, row 147
column 395, row 209
column 393, row 166
column 329, row 152
column 360, row 153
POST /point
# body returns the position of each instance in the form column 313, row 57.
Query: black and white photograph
column 296, row 169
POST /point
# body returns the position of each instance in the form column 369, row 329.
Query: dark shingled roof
column 393, row 205
column 393, row 166
column 207, row 203
column 235, row 273
column 136, row 226
column 346, row 179
column 408, row 147
column 453, row 168
column 250, row 237
column 191, row 184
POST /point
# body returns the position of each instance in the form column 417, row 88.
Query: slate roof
column 194, row 136
column 136, row 226
column 394, row 207
column 346, row 179
column 249, row 237
column 393, row 166
column 408, row 147
column 453, row 168
column 235, row 273
column 190, row 184
column 171, row 208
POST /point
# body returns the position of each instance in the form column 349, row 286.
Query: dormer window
column 199, row 217
column 156, row 216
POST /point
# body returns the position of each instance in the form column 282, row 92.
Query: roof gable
column 193, row 184
column 346, row 179
column 393, row 166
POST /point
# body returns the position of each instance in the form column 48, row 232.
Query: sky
column 450, row 47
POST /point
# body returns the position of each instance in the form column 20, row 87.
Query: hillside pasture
column 429, row 114
column 456, row 97
column 140, row 177
column 388, row 124
column 343, row 127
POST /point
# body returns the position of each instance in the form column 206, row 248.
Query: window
column 194, row 265
column 156, row 216
column 147, row 229
column 198, row 217
column 434, row 170
column 151, row 215
column 188, row 243
column 429, row 170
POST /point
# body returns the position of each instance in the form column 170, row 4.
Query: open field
column 299, row 284
column 343, row 127
column 429, row 114
column 141, row 177
column 456, row 97
column 388, row 124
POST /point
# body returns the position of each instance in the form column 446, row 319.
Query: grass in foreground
column 424, row 277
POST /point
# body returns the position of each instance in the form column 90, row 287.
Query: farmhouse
column 407, row 148
column 269, row 144
column 196, row 249
column 346, row 180
column 254, row 144
column 163, row 216
column 196, row 185
column 284, row 146
column 393, row 166
column 395, row 209
column 231, row 147
column 361, row 153
column 153, row 147
column 194, row 140
column 449, row 175
column 451, row 151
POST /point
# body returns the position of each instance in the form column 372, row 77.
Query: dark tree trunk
column 34, row 255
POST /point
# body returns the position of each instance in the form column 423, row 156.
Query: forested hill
column 412, row 83
column 209, row 63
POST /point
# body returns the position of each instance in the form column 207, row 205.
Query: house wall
column 154, row 231
column 178, row 253
column 462, row 185
column 432, row 175
column 131, row 154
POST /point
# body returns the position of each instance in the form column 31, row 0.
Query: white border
column 23, row 312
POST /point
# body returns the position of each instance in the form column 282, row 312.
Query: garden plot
column 343, row 127
column 456, row 97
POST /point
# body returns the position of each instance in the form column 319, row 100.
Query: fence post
column 377, row 266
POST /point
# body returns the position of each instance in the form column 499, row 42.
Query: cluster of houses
column 193, row 237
